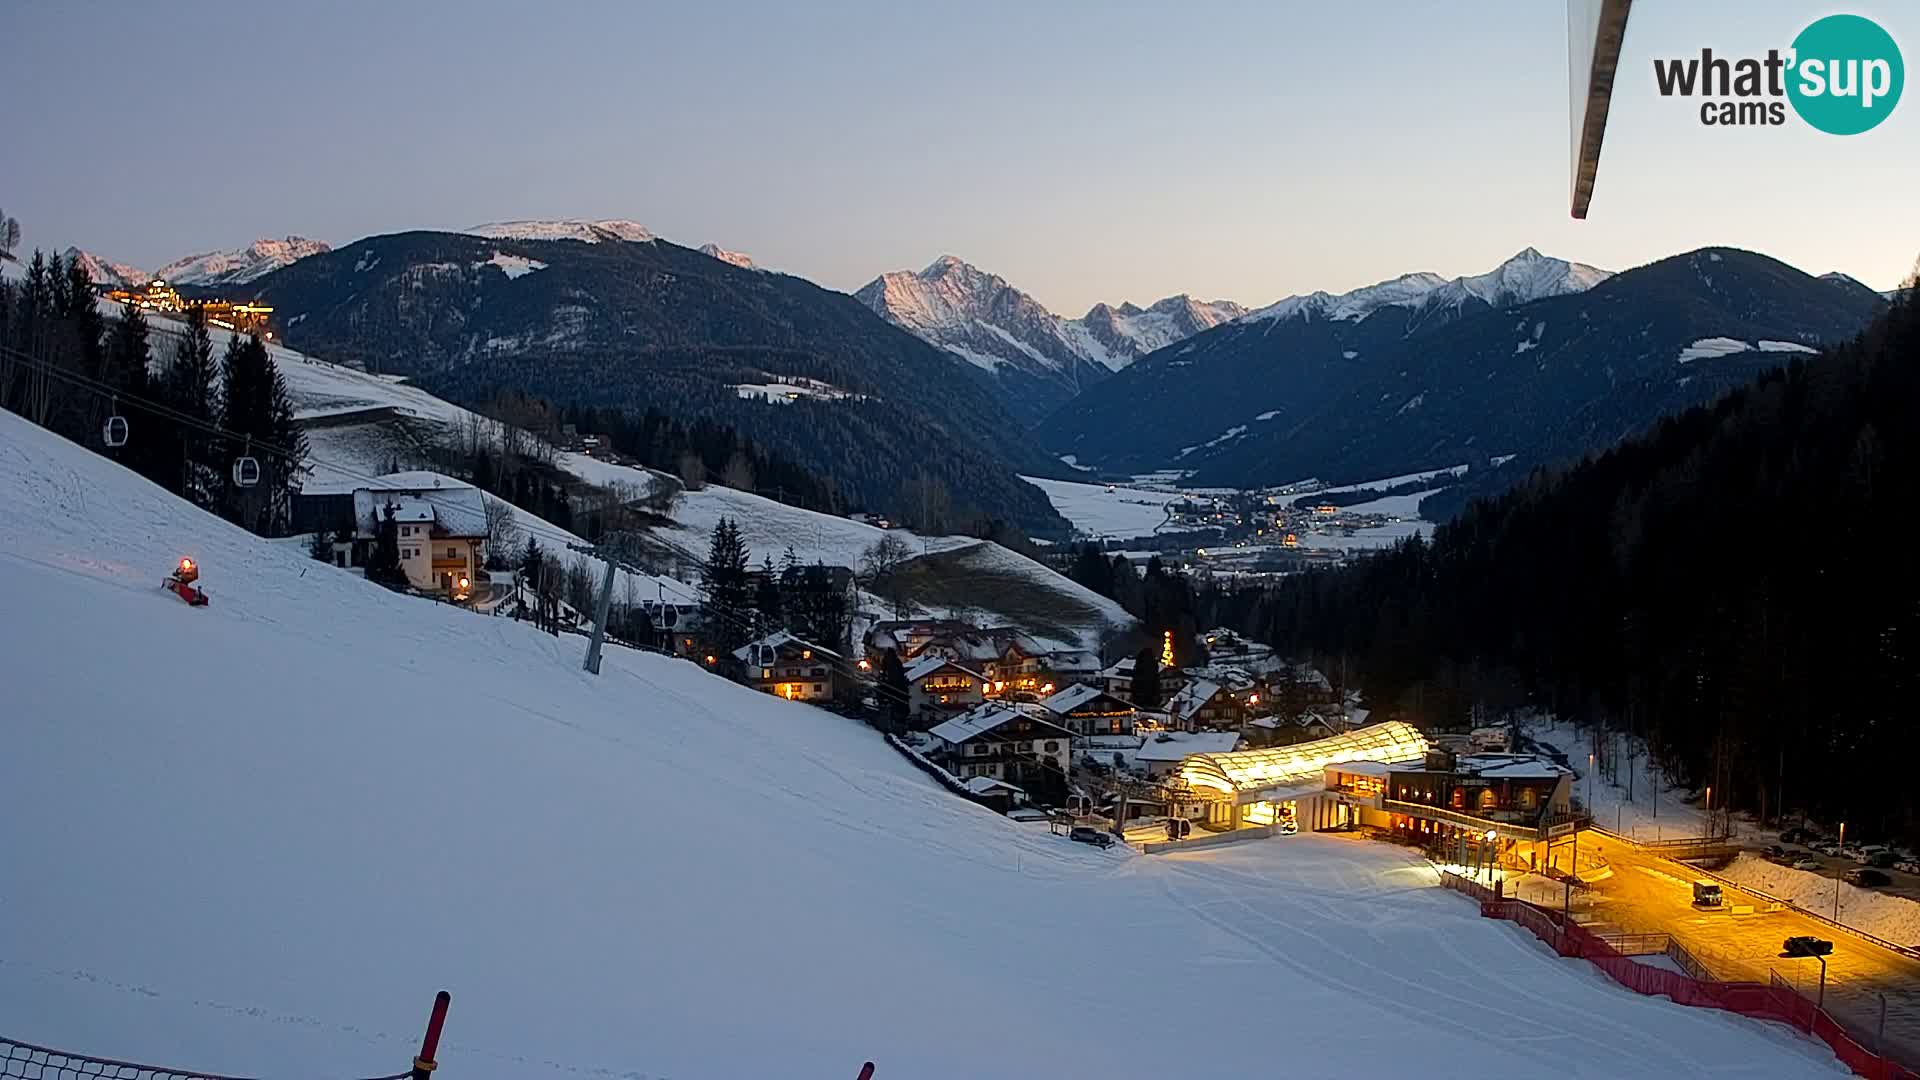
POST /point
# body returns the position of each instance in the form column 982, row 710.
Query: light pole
column 1589, row 781
column 1493, row 857
column 1709, row 809
column 1836, row 886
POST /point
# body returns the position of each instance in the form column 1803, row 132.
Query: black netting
column 29, row 1062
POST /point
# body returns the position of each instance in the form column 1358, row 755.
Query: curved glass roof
column 1251, row 770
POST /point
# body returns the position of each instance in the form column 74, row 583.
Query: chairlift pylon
column 114, row 431
column 246, row 467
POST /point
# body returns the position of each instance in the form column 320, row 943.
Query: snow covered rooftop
column 1071, row 698
column 980, row 721
column 983, row 785
column 1179, row 745
column 926, row 665
column 750, row 653
column 454, row 507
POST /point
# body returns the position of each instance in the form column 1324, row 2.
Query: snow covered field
column 1123, row 512
column 255, row 837
column 1895, row 918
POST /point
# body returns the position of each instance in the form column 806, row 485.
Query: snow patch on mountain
column 256, row 260
column 732, row 258
column 1707, row 348
column 514, row 266
column 589, row 232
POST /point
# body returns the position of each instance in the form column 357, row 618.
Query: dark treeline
column 65, row 368
column 1163, row 601
column 1734, row 586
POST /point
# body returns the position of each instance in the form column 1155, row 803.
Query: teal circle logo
column 1846, row 74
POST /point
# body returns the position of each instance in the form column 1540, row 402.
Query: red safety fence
column 1775, row 1001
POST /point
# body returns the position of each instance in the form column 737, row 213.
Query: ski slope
column 255, row 837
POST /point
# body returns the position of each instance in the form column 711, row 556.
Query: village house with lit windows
column 1013, row 665
column 938, row 687
column 786, row 666
column 1004, row 742
column 440, row 527
column 1090, row 711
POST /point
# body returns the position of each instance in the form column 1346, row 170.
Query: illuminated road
column 1647, row 894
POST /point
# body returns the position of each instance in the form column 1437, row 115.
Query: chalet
column 1003, row 743
column 1089, row 711
column 1117, row 679
column 785, row 666
column 1206, row 705
column 1225, row 645
column 440, row 526
column 937, row 687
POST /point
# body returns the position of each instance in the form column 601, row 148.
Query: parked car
column 1908, row 866
column 1883, row 859
column 1773, row 851
column 1867, row 878
column 1807, row 864
column 1086, row 834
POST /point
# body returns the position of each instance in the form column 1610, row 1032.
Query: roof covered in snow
column 926, row 665
column 1179, row 745
column 1073, row 697
column 454, row 508
column 747, row 653
column 982, row 720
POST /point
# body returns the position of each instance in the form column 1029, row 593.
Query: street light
column 1493, row 856
column 1807, row 945
column 1836, row 877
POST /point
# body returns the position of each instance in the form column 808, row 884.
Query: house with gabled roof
column 937, row 686
column 786, row 666
column 1003, row 742
column 1088, row 710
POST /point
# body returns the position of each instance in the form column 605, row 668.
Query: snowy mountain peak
column 1527, row 276
column 589, row 232
column 733, row 258
column 256, row 260
column 108, row 272
column 983, row 319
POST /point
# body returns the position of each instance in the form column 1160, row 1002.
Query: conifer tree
column 188, row 390
column 727, row 607
column 893, row 691
column 767, row 602
column 1146, row 677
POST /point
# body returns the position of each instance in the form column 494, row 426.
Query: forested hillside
column 636, row 325
column 1737, row 585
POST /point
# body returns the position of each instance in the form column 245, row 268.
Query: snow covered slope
column 591, row 232
column 263, row 832
column 258, row 259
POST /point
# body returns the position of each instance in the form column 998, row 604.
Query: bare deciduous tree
column 879, row 562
